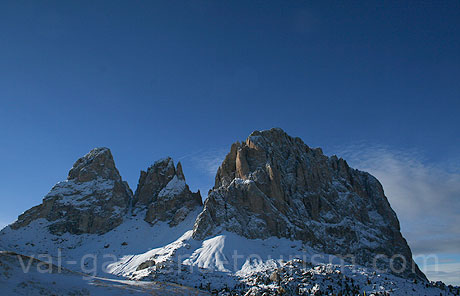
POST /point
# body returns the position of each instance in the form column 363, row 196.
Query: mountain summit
column 163, row 192
column 93, row 199
column 275, row 185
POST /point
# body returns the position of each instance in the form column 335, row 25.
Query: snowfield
column 142, row 259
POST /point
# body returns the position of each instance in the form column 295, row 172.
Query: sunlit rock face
column 275, row 185
column 93, row 199
column 163, row 192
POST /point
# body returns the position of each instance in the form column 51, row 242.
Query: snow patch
column 174, row 187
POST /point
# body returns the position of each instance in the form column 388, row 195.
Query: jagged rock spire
column 275, row 185
column 152, row 181
column 179, row 172
column 163, row 192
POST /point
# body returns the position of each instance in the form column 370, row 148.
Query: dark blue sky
column 187, row 78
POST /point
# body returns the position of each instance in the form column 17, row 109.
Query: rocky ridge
column 94, row 199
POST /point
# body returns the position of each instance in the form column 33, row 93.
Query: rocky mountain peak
column 93, row 199
column 275, row 185
column 152, row 181
column 163, row 192
column 98, row 163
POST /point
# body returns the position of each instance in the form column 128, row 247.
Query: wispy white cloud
column 2, row 225
column 447, row 273
column 209, row 160
column 426, row 197
column 201, row 167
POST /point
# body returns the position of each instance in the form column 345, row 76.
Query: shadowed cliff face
column 93, row 199
column 275, row 185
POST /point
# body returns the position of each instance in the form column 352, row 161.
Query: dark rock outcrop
column 163, row 192
column 275, row 185
column 93, row 199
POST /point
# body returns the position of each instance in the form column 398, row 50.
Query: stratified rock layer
column 163, row 192
column 93, row 199
column 275, row 185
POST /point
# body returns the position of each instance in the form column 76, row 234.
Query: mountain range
column 282, row 218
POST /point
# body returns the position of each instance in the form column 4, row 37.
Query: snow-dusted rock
column 275, row 185
column 163, row 192
column 93, row 199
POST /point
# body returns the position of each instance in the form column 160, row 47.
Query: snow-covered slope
column 228, row 264
column 22, row 275
column 133, row 236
